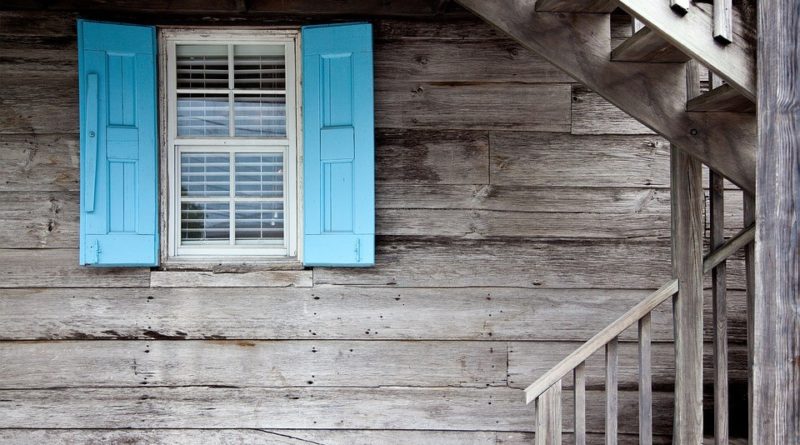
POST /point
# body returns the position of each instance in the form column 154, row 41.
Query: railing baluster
column 612, row 353
column 720, row 312
column 580, row 404
column 749, row 213
column 548, row 416
column 723, row 21
column 645, row 383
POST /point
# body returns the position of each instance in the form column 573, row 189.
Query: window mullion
column 231, row 119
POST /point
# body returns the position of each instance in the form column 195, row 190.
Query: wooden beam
column 688, row 201
column 719, row 310
column 723, row 21
column 722, row 98
column 776, row 348
column 655, row 95
column 647, row 46
column 582, row 6
column 692, row 33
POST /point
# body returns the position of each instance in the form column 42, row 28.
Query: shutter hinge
column 358, row 250
column 93, row 252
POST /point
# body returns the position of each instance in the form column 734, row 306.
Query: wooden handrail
column 633, row 315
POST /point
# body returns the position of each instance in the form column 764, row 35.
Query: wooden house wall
column 517, row 214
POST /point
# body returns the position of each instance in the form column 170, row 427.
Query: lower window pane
column 205, row 222
column 259, row 221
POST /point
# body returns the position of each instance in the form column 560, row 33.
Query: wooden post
column 688, row 201
column 548, row 416
column 776, row 317
column 719, row 311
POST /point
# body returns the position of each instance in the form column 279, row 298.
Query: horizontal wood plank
column 528, row 361
column 36, row 219
column 591, row 114
column 530, row 107
column 31, row 162
column 59, row 268
column 256, row 278
column 460, row 409
column 432, row 156
column 288, row 437
column 556, row 160
column 722, row 98
column 252, row 363
column 319, row 313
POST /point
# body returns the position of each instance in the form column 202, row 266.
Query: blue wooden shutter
column 119, row 168
column 338, row 146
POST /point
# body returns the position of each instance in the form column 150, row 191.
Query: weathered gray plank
column 318, row 313
column 31, row 162
column 721, row 98
column 612, row 392
column 480, row 224
column 527, row 361
column 584, row 7
column 284, row 437
column 59, row 268
column 647, row 46
column 36, row 219
column 432, row 157
column 776, row 322
column 38, row 102
column 548, row 416
column 445, row 262
column 252, row 363
column 520, row 198
column 687, row 251
column 579, row 403
column 530, row 107
column 654, row 94
column 720, row 311
column 591, row 114
column 645, row 357
column 461, row 409
column 256, row 278
column 551, row 160
column 470, row 60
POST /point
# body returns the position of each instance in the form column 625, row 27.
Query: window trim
column 171, row 254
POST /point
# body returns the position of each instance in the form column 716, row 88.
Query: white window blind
column 231, row 90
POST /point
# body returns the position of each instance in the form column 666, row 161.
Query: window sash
column 289, row 246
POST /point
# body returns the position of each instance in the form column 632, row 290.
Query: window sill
column 231, row 265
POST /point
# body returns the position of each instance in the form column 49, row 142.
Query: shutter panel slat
column 119, row 172
column 339, row 153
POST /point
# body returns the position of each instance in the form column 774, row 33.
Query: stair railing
column 546, row 391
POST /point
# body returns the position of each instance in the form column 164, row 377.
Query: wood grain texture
column 529, row 107
column 687, row 251
column 647, row 46
column 263, row 278
column 592, row 114
column 579, row 377
column 44, row 268
column 432, row 156
column 653, row 94
column 435, row 262
column 37, row 219
column 645, row 380
column 319, row 313
column 286, row 437
column 531, row 159
column 721, row 98
column 776, row 323
column 612, row 392
column 690, row 33
column 253, row 363
column 548, row 416
column 445, row 409
column 720, row 312
column 586, row 7
column 30, row 162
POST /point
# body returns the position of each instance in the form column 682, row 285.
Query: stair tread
column 722, row 98
column 647, row 46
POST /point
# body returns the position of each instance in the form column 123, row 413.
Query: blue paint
column 119, row 151
column 339, row 146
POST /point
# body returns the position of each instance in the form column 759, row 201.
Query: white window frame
column 290, row 147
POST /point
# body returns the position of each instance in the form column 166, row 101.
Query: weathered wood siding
column 518, row 214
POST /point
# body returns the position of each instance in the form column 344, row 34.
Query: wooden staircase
column 654, row 76
column 647, row 76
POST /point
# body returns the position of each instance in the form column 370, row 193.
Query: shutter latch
column 93, row 252
column 358, row 250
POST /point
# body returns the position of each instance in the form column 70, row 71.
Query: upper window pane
column 259, row 67
column 202, row 66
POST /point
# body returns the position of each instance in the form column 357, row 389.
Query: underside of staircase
column 655, row 77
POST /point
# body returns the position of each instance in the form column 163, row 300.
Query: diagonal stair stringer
column 652, row 93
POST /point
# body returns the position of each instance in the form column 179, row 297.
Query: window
column 232, row 152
